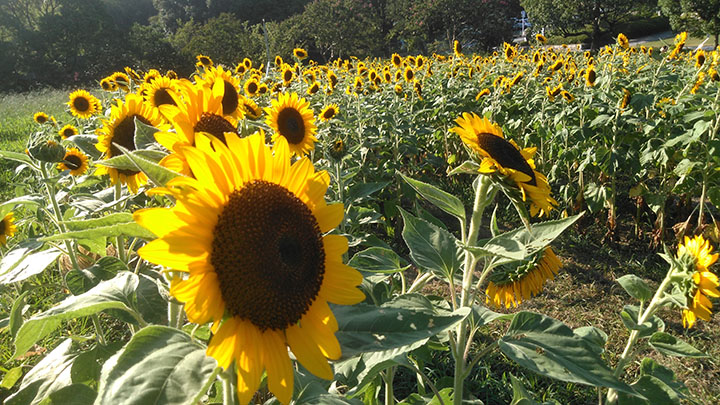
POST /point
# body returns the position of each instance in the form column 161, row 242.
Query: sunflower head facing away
column 698, row 253
column 75, row 161
column 511, row 286
column 251, row 235
column 504, row 157
column 290, row 117
column 7, row 228
column 119, row 129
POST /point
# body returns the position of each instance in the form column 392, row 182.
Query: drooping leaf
column 441, row 199
column 115, row 293
column 25, row 261
column 669, row 345
column 159, row 365
column 431, row 248
column 110, row 226
column 361, row 191
column 378, row 260
column 550, row 348
column 80, row 281
column 636, row 287
column 51, row 374
column 86, row 143
column 157, row 174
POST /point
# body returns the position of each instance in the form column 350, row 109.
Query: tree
column 566, row 15
column 699, row 17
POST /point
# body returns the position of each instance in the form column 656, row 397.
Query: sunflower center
column 268, row 255
column 73, row 162
column 162, row 96
column 230, row 100
column 68, row 132
column 329, row 113
column 291, row 125
column 215, row 125
column 2, row 227
column 505, row 154
column 124, row 135
column 81, row 104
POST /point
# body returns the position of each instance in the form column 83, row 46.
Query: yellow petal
column 279, row 367
column 222, row 345
column 307, row 351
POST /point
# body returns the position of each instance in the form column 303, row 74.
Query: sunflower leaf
column 158, row 365
column 441, row 199
column 431, row 248
column 18, row 157
column 157, row 174
column 86, row 143
column 669, row 345
column 378, row 260
column 50, row 375
column 550, row 348
column 144, row 135
column 636, row 287
column 115, row 293
column 25, row 261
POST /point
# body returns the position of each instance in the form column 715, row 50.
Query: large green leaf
column 432, row 248
column 669, row 345
column 25, row 261
column 652, row 388
column 629, row 316
column 378, row 260
column 115, row 293
column 110, row 226
column 125, row 162
column 159, row 365
column 157, row 174
column 86, row 143
column 636, row 287
column 360, row 191
column 441, row 199
column 550, row 348
column 51, row 374
column 18, row 157
column 80, row 281
column 366, row 328
column 520, row 243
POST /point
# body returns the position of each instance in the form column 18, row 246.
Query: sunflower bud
column 47, row 151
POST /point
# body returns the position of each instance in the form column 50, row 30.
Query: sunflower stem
column 119, row 242
column 388, row 378
column 50, row 188
column 98, row 329
column 626, row 355
column 228, row 380
column 210, row 381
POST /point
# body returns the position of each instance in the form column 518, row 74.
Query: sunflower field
column 363, row 231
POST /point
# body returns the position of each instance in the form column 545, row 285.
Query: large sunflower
column 290, row 117
column 75, row 161
column 705, row 282
column 513, row 286
column 83, row 104
column 504, row 157
column 7, row 228
column 250, row 234
column 120, row 129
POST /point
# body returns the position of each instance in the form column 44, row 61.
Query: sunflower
column 278, row 61
column 75, row 161
column 484, row 92
column 510, row 52
column 133, row 75
column 679, row 44
column 108, row 84
column 250, row 235
column 7, row 228
column 705, row 282
column 203, row 61
column 300, row 53
column 313, row 88
column 419, row 61
column 121, row 80
column 201, row 111
column 67, row 131
column 337, row 149
column 83, row 104
column 409, row 74
column 540, row 38
column 504, row 157
column 328, row 112
column 231, row 92
column 457, row 49
column 250, row 108
column 417, row 86
column 396, row 60
column 622, row 41
column 40, row 117
column 160, row 91
column 151, row 75
column 120, row 129
column 626, row 99
column 513, row 286
column 251, row 87
column 287, row 75
column 332, row 79
column 590, row 76
column 291, row 118
column 714, row 76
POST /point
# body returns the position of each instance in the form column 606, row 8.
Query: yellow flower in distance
column 7, row 228
column 83, row 104
column 526, row 281
column 290, row 117
column 541, row 38
column 40, row 117
column 705, row 282
column 328, row 112
column 67, row 131
column 300, row 53
column 622, row 41
column 504, row 157
column 250, row 235
column 75, row 161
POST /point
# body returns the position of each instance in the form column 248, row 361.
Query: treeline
column 63, row 42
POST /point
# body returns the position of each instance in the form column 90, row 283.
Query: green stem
column 207, row 385
column 427, row 381
column 389, row 377
column 50, row 188
column 229, row 392
column 119, row 242
column 98, row 329
column 626, row 355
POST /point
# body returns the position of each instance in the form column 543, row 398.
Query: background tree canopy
column 61, row 42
